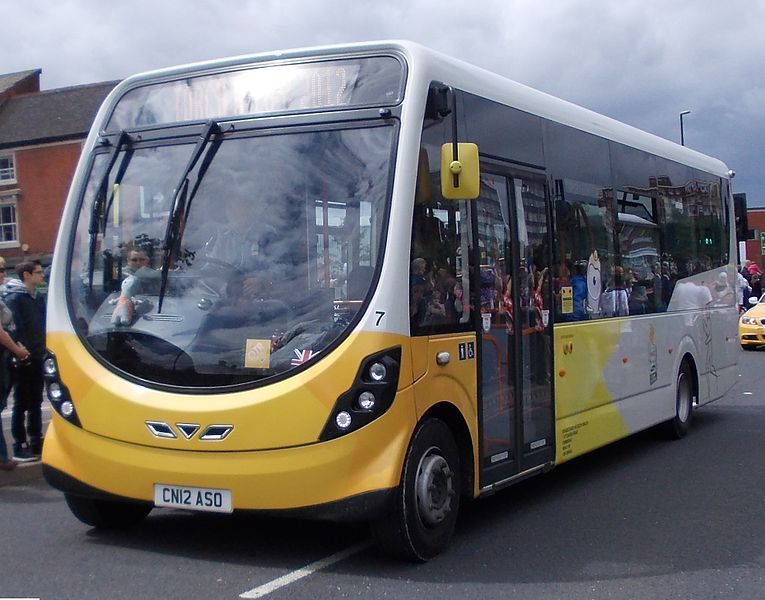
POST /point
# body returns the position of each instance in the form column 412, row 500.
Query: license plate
column 192, row 498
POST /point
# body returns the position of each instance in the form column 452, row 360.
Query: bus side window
column 585, row 221
column 435, row 299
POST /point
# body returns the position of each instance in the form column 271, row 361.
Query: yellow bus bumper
column 368, row 461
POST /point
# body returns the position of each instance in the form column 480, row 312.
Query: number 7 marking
column 380, row 314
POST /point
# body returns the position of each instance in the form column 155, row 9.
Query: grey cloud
column 639, row 61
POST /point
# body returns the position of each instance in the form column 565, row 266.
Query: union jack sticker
column 300, row 357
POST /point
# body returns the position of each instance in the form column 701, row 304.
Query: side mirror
column 460, row 177
column 753, row 300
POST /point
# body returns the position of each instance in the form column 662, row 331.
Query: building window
column 9, row 232
column 7, row 169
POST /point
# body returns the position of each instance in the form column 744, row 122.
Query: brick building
column 41, row 136
column 756, row 225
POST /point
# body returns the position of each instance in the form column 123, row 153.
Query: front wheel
column 107, row 514
column 427, row 500
column 678, row 426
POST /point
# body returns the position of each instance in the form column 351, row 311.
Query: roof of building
column 8, row 80
column 51, row 115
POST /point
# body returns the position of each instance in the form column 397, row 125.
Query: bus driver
column 241, row 242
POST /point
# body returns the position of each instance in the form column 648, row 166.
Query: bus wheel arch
column 424, row 513
column 686, row 395
column 450, row 414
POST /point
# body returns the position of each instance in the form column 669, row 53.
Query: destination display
column 262, row 90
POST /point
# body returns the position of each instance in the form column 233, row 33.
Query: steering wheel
column 268, row 310
column 202, row 262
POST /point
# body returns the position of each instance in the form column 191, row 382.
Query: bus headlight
column 58, row 393
column 377, row 371
column 54, row 391
column 50, row 368
column 343, row 419
column 366, row 400
column 370, row 396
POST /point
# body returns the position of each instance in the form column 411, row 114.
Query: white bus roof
column 427, row 65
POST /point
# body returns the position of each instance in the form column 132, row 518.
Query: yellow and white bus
column 371, row 282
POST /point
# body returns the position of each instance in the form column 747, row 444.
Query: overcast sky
column 638, row 61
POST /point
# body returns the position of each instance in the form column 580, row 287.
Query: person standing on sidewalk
column 8, row 348
column 28, row 308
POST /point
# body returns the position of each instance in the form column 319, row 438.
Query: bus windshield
column 272, row 255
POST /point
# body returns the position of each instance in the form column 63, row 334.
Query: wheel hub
column 435, row 488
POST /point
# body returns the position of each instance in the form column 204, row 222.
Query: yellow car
column 751, row 325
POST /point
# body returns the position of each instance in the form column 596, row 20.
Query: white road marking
column 284, row 580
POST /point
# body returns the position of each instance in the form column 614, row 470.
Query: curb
column 23, row 473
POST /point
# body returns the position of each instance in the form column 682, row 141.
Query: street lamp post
column 682, row 133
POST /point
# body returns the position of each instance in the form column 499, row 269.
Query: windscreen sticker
column 301, row 356
column 567, row 299
column 257, row 354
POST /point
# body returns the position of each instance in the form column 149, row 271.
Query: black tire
column 105, row 514
column 678, row 426
column 427, row 500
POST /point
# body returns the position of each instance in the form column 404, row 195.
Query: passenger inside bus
column 638, row 303
column 137, row 259
column 419, row 292
column 579, row 285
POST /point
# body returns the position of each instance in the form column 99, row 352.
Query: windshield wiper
column 182, row 200
column 99, row 203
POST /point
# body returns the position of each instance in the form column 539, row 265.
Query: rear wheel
column 679, row 425
column 427, row 501
column 106, row 514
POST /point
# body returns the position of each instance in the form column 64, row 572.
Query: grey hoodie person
column 28, row 315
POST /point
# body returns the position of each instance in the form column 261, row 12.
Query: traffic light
column 742, row 226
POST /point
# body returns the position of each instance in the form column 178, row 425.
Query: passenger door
column 513, row 288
